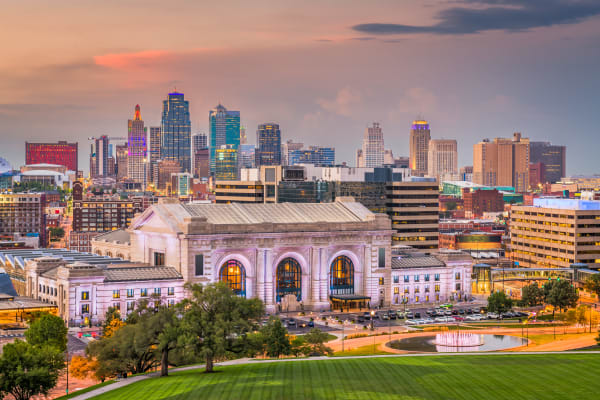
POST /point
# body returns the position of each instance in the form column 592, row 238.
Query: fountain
column 458, row 339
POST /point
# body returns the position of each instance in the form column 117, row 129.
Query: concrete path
column 129, row 381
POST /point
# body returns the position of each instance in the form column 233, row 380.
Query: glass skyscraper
column 224, row 130
column 315, row 155
column 176, row 141
column 268, row 140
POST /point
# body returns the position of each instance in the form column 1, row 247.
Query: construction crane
column 109, row 138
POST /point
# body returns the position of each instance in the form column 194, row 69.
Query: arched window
column 108, row 254
column 289, row 279
column 341, row 278
column 234, row 274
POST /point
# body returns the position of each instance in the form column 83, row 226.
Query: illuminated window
column 144, row 292
column 341, row 279
column 85, row 295
column 85, row 309
column 116, row 294
column 289, row 279
column 130, row 292
column 234, row 274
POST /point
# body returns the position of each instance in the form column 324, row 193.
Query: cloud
column 416, row 101
column 488, row 15
column 343, row 103
column 363, row 38
column 127, row 60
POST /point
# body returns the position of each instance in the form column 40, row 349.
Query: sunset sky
column 322, row 69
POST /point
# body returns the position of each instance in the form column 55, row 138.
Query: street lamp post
column 373, row 329
column 342, row 336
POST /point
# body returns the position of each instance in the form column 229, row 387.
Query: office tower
column 402, row 162
column 202, row 163
column 476, row 202
column 60, row 153
column 420, row 135
column 286, row 148
column 137, row 149
column 243, row 137
column 164, row 169
column 556, row 233
column 226, row 163
column 23, row 214
column 224, row 130
column 466, row 173
column 247, row 156
column 553, row 157
column 388, row 157
column 413, row 206
column 503, row 162
column 373, row 151
column 442, row 160
column 199, row 141
column 181, row 185
column 154, row 151
column 121, row 161
column 176, row 140
column 321, row 156
column 99, row 157
column 268, row 144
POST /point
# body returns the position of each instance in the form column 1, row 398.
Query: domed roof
column 4, row 166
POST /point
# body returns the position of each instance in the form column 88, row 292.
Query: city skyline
column 452, row 79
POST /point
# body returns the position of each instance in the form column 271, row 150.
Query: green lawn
column 433, row 377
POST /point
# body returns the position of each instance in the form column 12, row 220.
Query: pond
column 427, row 344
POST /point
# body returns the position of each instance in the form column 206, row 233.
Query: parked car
column 430, row 312
column 458, row 318
column 311, row 324
column 417, row 314
column 385, row 317
column 448, row 313
column 410, row 315
column 392, row 314
column 367, row 316
column 400, row 314
column 360, row 318
column 461, row 312
column 492, row 315
column 291, row 322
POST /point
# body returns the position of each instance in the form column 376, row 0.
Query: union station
column 290, row 255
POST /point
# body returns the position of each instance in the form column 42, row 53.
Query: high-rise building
column 224, row 130
column 323, row 156
column 23, row 214
column 268, row 144
column 226, row 163
column 199, row 141
column 442, row 160
column 154, row 152
column 181, row 184
column 503, row 162
column 286, row 148
column 420, row 135
column 552, row 156
column 243, row 137
column 176, row 141
column 100, row 157
column 164, row 169
column 121, row 161
column 373, row 151
column 202, row 163
column 137, row 149
column 413, row 206
column 61, row 153
column 556, row 233
column 247, row 156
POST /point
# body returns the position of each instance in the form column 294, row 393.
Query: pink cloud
column 129, row 60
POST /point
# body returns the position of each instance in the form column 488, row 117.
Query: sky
column 323, row 70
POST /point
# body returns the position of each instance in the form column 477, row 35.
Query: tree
column 112, row 322
column 275, row 337
column 168, row 329
column 49, row 330
column 499, row 302
column 592, row 284
column 532, row 295
column 27, row 370
column 215, row 319
column 56, row 232
column 82, row 367
column 561, row 295
column 299, row 346
column 582, row 317
column 316, row 341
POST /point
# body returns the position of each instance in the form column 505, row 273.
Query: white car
column 492, row 315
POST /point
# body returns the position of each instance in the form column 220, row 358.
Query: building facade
column 502, row 162
column 176, row 131
column 137, row 149
column 60, row 153
column 414, row 209
column 373, row 150
column 553, row 157
column 442, row 162
column 268, row 144
column 23, row 214
column 286, row 148
column 291, row 256
column 478, row 202
column 121, row 161
column 224, row 128
column 316, row 155
column 202, row 163
column 556, row 233
column 420, row 135
column 153, row 152
column 226, row 163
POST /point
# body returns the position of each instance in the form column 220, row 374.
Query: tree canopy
column 532, row 295
column 499, row 302
column 592, row 284
column 48, row 329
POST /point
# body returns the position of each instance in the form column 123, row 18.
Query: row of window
column 116, row 294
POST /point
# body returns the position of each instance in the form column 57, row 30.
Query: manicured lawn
column 433, row 377
column 360, row 351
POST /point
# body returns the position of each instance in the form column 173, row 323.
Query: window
column 117, row 306
column 130, row 305
column 437, row 277
column 458, row 286
column 381, row 259
column 426, row 288
column 116, row 294
column 417, row 290
column 171, row 291
column 406, row 278
column 437, row 288
column 144, row 292
column 289, row 279
column 270, row 191
column 199, row 264
column 396, row 279
column 406, row 290
column 341, row 276
column 457, row 275
column 159, row 258
column 130, row 292
column 416, row 278
column 171, row 302
column 426, row 277
column 416, row 299
column 157, row 291
column 85, row 295
column 396, row 290
column 381, row 281
column 85, row 309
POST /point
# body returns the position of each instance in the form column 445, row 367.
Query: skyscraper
column 121, row 161
column 286, row 148
column 61, row 153
column 99, row 158
column 226, row 165
column 315, row 155
column 199, row 141
column 224, row 130
column 373, row 151
column 154, row 152
column 268, row 141
column 137, row 149
column 247, row 156
column 420, row 135
column 243, row 137
column 176, row 141
column 442, row 161
column 553, row 158
column 503, row 162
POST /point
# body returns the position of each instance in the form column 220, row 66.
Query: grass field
column 432, row 377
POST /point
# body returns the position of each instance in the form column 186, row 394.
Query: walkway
column 129, row 381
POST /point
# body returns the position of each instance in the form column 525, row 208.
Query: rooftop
column 141, row 274
column 567, row 204
column 18, row 257
column 119, row 236
column 416, row 262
